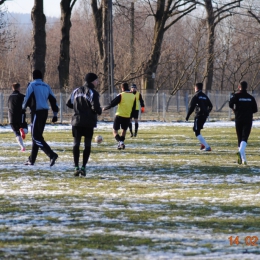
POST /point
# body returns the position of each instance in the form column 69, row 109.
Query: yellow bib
column 125, row 106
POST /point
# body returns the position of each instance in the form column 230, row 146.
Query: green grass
column 160, row 197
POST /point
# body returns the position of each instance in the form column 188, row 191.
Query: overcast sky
column 51, row 7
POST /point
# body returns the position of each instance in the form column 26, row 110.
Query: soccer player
column 139, row 102
column 85, row 102
column 244, row 106
column 37, row 95
column 16, row 115
column 202, row 106
column 126, row 104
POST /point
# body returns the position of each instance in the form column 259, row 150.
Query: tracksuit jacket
column 85, row 101
column 201, row 104
column 243, row 105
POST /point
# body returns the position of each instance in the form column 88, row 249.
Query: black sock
column 117, row 137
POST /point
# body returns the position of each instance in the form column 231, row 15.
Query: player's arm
column 95, row 105
column 191, row 107
column 255, row 109
column 113, row 103
column 141, row 100
column 210, row 106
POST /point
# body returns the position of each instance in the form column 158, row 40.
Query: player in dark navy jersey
column 202, row 106
column 244, row 106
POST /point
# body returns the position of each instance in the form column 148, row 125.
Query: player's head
column 242, row 85
column 16, row 86
column 124, row 87
column 133, row 88
column 37, row 74
column 198, row 86
column 91, row 78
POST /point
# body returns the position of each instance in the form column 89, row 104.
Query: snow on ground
column 194, row 241
column 148, row 124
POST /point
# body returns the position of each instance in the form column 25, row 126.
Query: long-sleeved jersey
column 85, row 102
column 201, row 104
column 37, row 95
column 243, row 105
column 126, row 104
column 16, row 114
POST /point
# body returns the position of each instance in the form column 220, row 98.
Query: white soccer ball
column 98, row 139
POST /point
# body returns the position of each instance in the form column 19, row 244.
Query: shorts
column 78, row 131
column 199, row 123
column 122, row 122
column 135, row 114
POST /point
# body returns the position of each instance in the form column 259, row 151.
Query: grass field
column 160, row 198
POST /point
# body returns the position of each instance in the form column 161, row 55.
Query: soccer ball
column 98, row 139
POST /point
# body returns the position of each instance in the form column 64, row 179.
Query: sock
column 86, row 154
column 130, row 128
column 202, row 141
column 242, row 150
column 76, row 155
column 136, row 127
column 20, row 141
column 117, row 137
column 122, row 138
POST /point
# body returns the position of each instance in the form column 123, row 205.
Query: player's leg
column 136, row 114
column 130, row 127
column 76, row 148
column 239, row 131
column 87, row 149
column 198, row 125
column 246, row 130
column 15, row 128
column 37, row 135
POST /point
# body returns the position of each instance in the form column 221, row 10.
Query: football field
column 160, row 198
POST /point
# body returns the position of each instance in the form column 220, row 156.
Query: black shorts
column 199, row 123
column 243, row 129
column 135, row 114
column 121, row 122
column 78, row 131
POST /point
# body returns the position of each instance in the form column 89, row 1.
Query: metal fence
column 158, row 107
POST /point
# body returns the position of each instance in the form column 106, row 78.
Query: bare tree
column 37, row 56
column 165, row 13
column 64, row 59
column 100, row 17
column 215, row 14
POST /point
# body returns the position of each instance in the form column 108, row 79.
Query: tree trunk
column 208, row 73
column 100, row 17
column 64, row 58
column 37, row 57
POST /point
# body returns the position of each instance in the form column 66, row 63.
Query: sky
column 51, row 7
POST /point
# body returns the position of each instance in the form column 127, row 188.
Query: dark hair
column 37, row 74
column 16, row 86
column 199, row 85
column 125, row 86
column 243, row 85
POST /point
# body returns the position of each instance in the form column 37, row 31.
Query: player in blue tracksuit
column 37, row 95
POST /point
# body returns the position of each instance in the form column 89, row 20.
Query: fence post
column 61, row 108
column 164, row 107
column 2, row 108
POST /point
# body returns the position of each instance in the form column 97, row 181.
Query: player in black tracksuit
column 38, row 94
column 244, row 106
column 85, row 102
column 202, row 106
column 16, row 115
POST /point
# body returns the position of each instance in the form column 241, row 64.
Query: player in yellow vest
column 135, row 113
column 126, row 104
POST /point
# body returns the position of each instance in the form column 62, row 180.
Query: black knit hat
column 90, row 77
column 133, row 86
column 37, row 74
